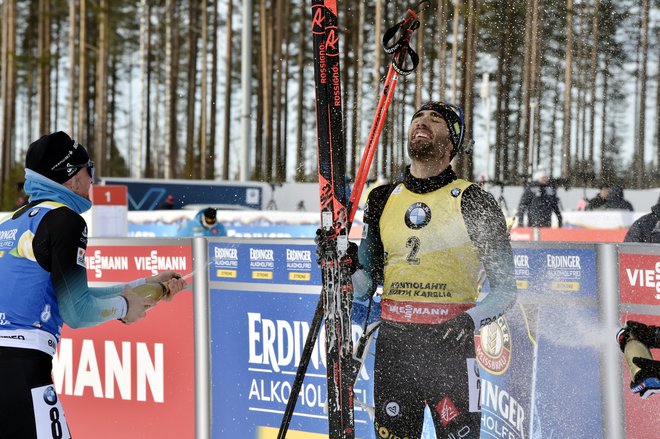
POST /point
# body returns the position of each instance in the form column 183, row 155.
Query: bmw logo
column 417, row 216
column 50, row 396
column 455, row 192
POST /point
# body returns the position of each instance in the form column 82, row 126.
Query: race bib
column 48, row 414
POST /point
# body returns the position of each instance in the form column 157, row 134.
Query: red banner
column 582, row 235
column 640, row 412
column 133, row 380
column 639, row 283
column 126, row 263
column 639, row 278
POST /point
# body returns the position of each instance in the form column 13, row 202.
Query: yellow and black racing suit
column 426, row 241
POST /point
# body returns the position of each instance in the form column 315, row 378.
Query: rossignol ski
column 336, row 301
column 337, row 291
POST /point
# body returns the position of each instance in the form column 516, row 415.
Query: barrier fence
column 218, row 362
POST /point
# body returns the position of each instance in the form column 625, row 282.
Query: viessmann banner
column 134, row 380
column 639, row 283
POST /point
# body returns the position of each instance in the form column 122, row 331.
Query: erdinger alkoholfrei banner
column 639, row 283
column 505, row 356
column 133, row 380
column 263, row 296
column 562, row 283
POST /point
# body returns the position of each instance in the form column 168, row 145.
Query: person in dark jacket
column 601, row 197
column 167, row 203
column 646, row 228
column 539, row 200
column 615, row 200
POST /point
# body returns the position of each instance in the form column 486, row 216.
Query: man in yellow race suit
column 425, row 240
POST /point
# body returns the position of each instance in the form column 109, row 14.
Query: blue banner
column 569, row 272
column 258, row 331
column 538, row 369
column 265, row 263
column 563, row 282
column 148, row 194
column 505, row 355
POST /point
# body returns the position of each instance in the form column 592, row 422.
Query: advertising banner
column 147, row 194
column 544, row 272
column 238, row 224
column 134, row 380
column 639, row 278
column 263, row 297
column 639, row 283
column 505, row 356
column 567, row 234
column 563, row 283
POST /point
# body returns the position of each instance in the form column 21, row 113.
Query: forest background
column 153, row 87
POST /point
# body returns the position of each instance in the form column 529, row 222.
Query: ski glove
column 647, row 380
column 325, row 244
column 647, row 334
column 457, row 328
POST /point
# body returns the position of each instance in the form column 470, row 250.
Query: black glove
column 457, row 328
column 647, row 334
column 647, row 380
column 325, row 244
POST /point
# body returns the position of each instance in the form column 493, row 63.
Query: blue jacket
column 194, row 227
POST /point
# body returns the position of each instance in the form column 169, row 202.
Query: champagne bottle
column 634, row 348
column 154, row 291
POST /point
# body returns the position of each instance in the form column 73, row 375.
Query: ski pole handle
column 404, row 28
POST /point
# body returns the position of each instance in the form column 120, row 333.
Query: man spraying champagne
column 43, row 270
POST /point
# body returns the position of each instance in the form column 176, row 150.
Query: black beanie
column 209, row 215
column 55, row 155
column 453, row 116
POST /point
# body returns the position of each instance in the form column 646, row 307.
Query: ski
column 337, row 291
column 336, row 301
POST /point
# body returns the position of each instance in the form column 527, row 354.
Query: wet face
column 428, row 137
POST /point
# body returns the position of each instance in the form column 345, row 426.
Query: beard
column 425, row 149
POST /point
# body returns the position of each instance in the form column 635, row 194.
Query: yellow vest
column 429, row 257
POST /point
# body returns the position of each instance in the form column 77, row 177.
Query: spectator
column 601, row 197
column 539, row 200
column 646, row 228
column 615, row 200
column 204, row 223
column 167, row 203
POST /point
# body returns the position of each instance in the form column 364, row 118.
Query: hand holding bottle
column 162, row 286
